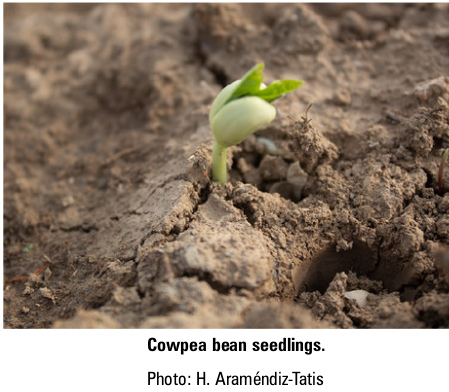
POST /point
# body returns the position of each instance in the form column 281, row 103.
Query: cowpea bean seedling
column 239, row 110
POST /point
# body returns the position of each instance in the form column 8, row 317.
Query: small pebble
column 359, row 296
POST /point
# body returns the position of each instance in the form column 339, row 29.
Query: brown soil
column 107, row 163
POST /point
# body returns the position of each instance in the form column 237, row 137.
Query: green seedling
column 239, row 110
column 27, row 248
column 440, row 172
column 270, row 147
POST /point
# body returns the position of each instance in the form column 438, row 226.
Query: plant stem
column 219, row 172
column 440, row 172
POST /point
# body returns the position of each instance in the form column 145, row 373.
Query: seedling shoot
column 240, row 109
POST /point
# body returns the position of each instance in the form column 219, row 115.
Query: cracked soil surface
column 111, row 221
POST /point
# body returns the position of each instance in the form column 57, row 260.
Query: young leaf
column 277, row 89
column 250, row 83
column 250, row 86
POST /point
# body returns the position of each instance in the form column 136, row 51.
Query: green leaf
column 250, row 83
column 27, row 248
column 277, row 89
